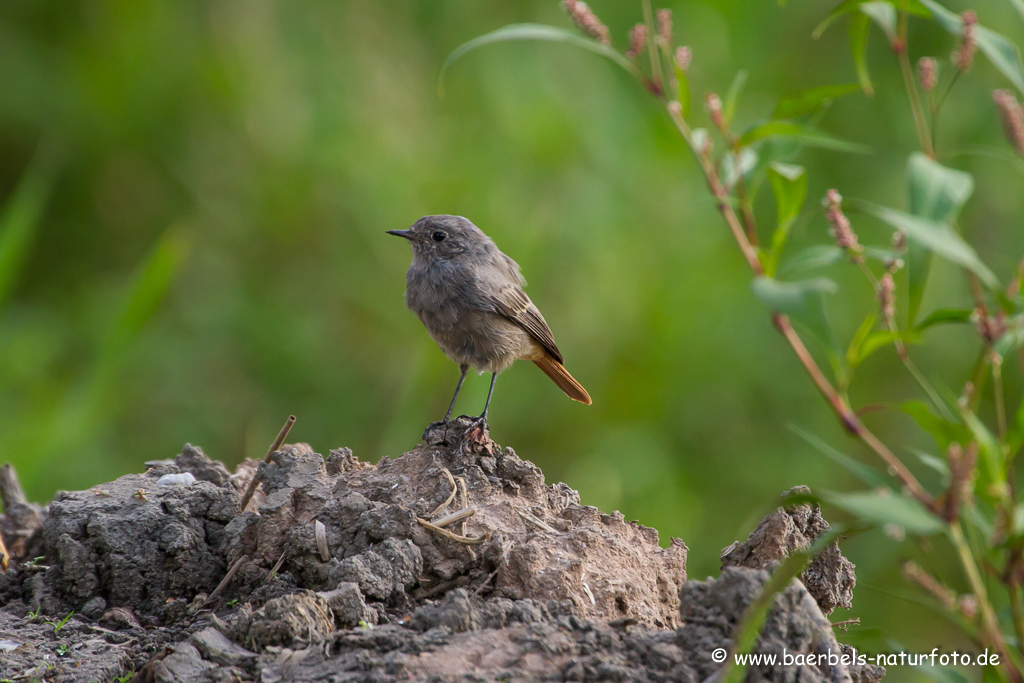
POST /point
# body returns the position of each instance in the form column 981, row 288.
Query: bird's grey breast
column 440, row 292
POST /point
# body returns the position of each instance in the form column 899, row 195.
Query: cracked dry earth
column 453, row 562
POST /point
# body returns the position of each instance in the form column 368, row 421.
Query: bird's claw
column 477, row 423
column 441, row 424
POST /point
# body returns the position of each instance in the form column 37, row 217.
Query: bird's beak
column 407, row 234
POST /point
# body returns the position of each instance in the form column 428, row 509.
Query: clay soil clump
column 455, row 561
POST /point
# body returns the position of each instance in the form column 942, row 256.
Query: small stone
column 183, row 665
column 349, row 606
column 119, row 618
column 185, row 478
column 216, row 647
column 94, row 609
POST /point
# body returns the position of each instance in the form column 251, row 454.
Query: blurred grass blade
column 934, row 462
column 733, row 95
column 869, row 476
column 943, row 431
column 543, row 32
column 938, row 194
column 944, row 315
column 149, row 285
column 999, row 49
column 802, row 301
column 811, row 258
column 21, row 218
column 800, row 133
column 880, row 508
column 938, row 238
column 745, row 636
column 812, row 100
column 860, row 27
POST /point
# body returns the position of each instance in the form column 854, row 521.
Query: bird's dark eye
column 439, row 236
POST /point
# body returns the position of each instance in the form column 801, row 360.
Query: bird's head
column 444, row 237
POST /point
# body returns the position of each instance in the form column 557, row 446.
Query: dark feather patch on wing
column 512, row 302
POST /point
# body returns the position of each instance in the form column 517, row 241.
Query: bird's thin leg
column 481, row 422
column 490, row 393
column 462, row 378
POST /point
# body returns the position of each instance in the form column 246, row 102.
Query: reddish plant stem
column 839, row 406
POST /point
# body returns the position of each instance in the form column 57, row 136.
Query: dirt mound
column 454, row 561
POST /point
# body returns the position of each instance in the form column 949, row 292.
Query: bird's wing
column 511, row 301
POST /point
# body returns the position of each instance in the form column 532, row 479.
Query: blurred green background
column 196, row 195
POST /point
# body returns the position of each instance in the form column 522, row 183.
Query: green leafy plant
column 976, row 510
column 58, row 625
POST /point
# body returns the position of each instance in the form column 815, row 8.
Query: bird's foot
column 435, row 430
column 476, row 423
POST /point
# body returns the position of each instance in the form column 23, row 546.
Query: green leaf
column 735, row 166
column 849, row 6
column 534, row 32
column 853, row 353
column 845, row 7
column 789, row 184
column 997, row 153
column 1003, row 54
column 733, row 95
column 801, row 301
column 804, row 134
column 937, row 237
column 817, row 256
column 944, row 18
column 868, row 475
column 883, row 14
column 936, row 463
column 860, row 27
column 944, row 315
column 1019, row 6
column 699, row 137
column 999, row 49
column 943, row 431
column 883, row 338
column 1013, row 338
column 991, row 454
column 887, row 507
column 21, row 218
column 812, row 100
column 938, row 194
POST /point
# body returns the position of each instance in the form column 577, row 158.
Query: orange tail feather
column 560, row 376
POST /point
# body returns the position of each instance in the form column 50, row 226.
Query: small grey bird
column 470, row 297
